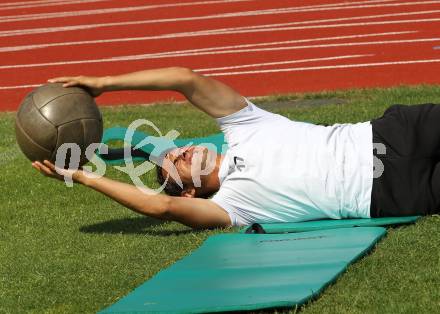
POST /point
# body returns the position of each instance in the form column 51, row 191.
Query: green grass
column 74, row 251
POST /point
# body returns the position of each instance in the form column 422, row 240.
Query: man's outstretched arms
column 193, row 212
column 209, row 95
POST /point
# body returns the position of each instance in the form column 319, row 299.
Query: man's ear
column 189, row 192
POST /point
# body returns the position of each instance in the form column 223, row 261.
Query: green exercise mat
column 327, row 224
column 235, row 272
column 144, row 145
column 285, row 267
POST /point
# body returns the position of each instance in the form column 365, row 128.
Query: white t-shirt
column 279, row 170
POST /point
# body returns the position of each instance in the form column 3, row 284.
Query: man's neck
column 213, row 183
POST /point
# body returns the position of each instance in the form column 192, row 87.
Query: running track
column 259, row 47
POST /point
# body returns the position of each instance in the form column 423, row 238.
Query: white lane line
column 5, row 4
column 213, row 32
column 330, row 67
column 32, row 2
column 29, row 31
column 7, row 19
column 330, row 7
column 231, row 67
column 338, row 19
column 92, row 26
column 274, row 43
column 254, row 65
column 37, row 4
column 232, row 51
column 128, row 39
column 61, row 1
column 40, row 16
column 19, row 86
column 251, row 29
column 298, row 69
column 80, row 12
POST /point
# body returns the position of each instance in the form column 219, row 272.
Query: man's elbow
column 185, row 78
column 160, row 210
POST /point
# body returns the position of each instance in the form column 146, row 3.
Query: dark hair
column 171, row 188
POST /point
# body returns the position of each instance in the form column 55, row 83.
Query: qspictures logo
column 161, row 143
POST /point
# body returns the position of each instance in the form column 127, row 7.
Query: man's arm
column 207, row 94
column 195, row 213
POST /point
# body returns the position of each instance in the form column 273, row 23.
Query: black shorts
column 410, row 181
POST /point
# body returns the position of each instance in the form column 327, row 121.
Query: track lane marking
column 128, row 23
column 234, row 51
column 232, row 67
column 38, row 4
column 5, row 4
column 39, row 16
column 231, row 51
column 221, row 31
column 19, row 86
column 254, row 65
column 41, row 46
column 195, row 18
column 330, row 67
column 276, row 43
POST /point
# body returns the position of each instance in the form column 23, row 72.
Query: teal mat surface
column 285, row 267
column 233, row 272
column 155, row 145
column 333, row 224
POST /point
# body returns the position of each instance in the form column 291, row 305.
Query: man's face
column 192, row 164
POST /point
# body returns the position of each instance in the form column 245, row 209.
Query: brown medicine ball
column 52, row 115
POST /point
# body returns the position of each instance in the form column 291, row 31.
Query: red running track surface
column 258, row 47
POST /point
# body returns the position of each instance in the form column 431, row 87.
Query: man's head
column 190, row 171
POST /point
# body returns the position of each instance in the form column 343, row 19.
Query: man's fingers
column 43, row 169
column 60, row 79
column 55, row 170
column 66, row 80
column 50, row 165
column 71, row 83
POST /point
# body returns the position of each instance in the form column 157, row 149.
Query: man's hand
column 94, row 85
column 48, row 169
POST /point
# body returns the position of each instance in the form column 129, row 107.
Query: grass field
column 71, row 250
